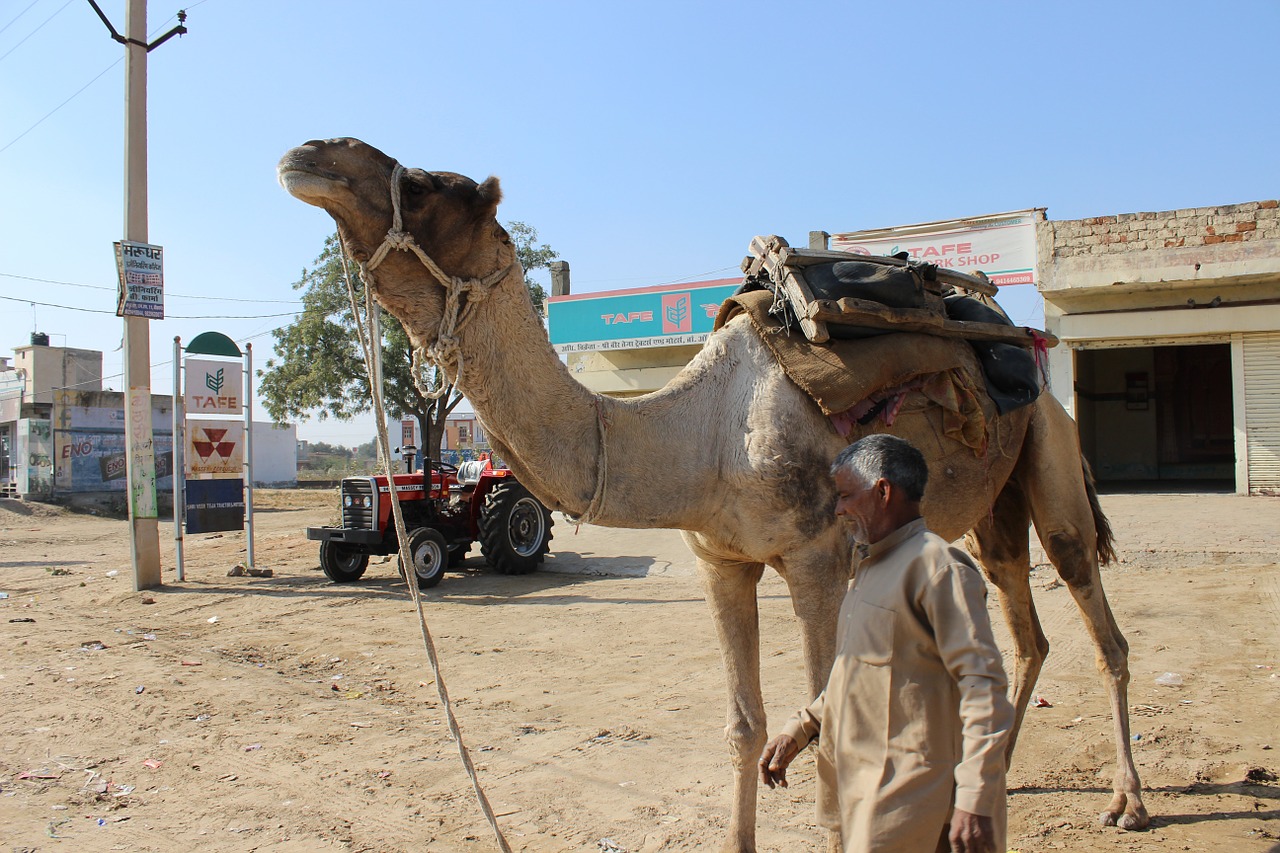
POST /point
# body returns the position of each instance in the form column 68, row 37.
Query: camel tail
column 1106, row 539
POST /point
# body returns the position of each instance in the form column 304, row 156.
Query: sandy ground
column 291, row 714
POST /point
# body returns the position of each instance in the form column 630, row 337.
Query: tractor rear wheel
column 430, row 555
column 515, row 529
column 341, row 562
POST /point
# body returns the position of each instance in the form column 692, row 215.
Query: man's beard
column 856, row 531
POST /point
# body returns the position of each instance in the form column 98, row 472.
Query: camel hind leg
column 1001, row 544
column 1068, row 520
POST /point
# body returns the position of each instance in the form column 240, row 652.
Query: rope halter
column 445, row 352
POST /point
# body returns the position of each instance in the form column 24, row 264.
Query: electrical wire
column 167, row 316
column 19, row 15
column 86, row 85
column 167, row 294
column 60, row 106
column 33, row 32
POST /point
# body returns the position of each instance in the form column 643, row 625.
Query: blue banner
column 215, row 505
column 670, row 315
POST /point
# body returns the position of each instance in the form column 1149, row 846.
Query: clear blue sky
column 647, row 143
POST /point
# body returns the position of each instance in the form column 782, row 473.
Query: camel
column 743, row 452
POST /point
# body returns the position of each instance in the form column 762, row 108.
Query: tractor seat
column 469, row 472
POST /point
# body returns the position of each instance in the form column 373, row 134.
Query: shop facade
column 1170, row 343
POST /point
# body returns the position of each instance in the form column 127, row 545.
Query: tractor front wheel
column 341, row 562
column 515, row 529
column 430, row 555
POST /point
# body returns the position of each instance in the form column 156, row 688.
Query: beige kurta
column 914, row 717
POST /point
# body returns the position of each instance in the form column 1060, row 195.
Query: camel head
column 450, row 217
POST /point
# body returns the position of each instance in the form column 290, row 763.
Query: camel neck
column 547, row 425
column 541, row 420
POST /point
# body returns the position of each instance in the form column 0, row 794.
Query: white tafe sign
column 214, row 387
column 1002, row 245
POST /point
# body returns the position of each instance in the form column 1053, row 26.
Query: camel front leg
column 730, row 589
column 817, row 582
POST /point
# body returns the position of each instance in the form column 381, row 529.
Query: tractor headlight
column 346, row 500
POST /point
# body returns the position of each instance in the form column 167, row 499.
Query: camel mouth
column 302, row 176
column 308, row 185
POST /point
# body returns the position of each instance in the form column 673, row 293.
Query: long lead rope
column 364, row 331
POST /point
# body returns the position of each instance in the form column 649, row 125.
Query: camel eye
column 413, row 187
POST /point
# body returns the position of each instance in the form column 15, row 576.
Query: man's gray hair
column 888, row 457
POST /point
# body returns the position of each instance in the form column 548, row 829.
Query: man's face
column 859, row 505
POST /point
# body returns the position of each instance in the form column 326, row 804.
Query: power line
column 61, row 105
column 86, row 85
column 179, row 295
column 167, row 316
column 33, row 32
column 19, row 15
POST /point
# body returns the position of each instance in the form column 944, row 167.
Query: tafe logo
column 676, row 316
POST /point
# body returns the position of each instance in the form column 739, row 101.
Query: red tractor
column 475, row 501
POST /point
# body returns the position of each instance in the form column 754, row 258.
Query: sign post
column 215, row 468
column 179, row 501
column 248, row 449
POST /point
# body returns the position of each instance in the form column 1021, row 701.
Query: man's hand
column 970, row 833
column 778, row 753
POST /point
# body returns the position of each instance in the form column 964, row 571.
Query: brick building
column 1170, row 329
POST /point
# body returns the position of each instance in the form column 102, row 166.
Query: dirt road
column 290, row 714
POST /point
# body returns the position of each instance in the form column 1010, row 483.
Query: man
column 913, row 723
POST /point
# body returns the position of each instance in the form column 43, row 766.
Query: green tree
column 318, row 368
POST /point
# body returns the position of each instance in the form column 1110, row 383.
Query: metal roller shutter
column 1262, row 410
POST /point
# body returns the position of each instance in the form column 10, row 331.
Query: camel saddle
column 835, row 298
column 856, row 380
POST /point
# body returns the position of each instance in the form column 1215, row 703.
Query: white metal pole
column 248, row 447
column 179, row 446
column 141, row 469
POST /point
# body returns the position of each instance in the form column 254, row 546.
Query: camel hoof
column 1133, row 822
column 1107, row 818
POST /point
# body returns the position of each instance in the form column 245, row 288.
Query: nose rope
column 446, row 352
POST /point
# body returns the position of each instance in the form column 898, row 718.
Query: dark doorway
column 1158, row 416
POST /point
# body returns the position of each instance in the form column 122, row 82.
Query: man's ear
column 884, row 491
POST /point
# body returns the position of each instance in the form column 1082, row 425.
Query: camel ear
column 490, row 194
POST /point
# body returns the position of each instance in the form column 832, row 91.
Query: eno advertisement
column 664, row 316
column 89, row 447
column 1002, row 245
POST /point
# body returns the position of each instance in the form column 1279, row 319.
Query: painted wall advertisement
column 664, row 316
column 89, row 447
column 1002, row 245
column 140, row 267
column 35, row 461
column 214, row 387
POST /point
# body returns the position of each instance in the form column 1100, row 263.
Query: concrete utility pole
column 145, row 541
column 145, row 535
